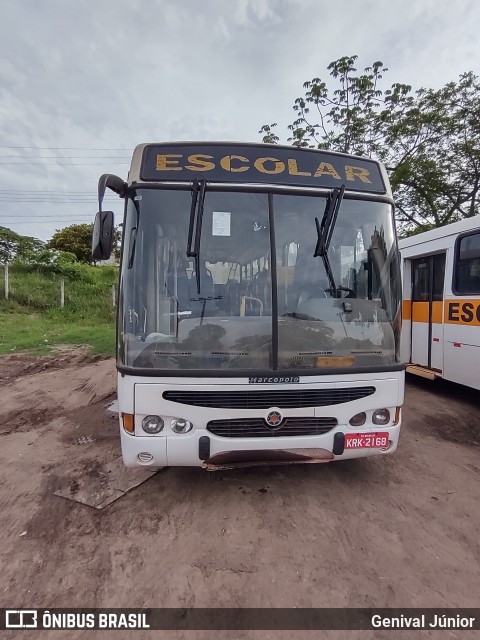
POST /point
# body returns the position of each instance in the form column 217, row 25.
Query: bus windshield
column 260, row 299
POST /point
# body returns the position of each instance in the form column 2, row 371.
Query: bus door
column 428, row 276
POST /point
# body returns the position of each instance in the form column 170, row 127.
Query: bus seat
column 207, row 290
column 183, row 289
column 261, row 288
column 232, row 297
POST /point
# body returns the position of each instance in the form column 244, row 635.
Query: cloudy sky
column 83, row 81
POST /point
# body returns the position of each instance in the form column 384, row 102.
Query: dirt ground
column 396, row 531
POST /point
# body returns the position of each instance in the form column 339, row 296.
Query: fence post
column 62, row 293
column 113, row 294
column 6, row 280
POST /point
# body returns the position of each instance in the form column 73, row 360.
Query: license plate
column 366, row 440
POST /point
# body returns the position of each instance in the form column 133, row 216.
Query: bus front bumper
column 203, row 449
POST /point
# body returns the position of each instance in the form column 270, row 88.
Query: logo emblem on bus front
column 274, row 419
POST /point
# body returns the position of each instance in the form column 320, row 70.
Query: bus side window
column 420, row 291
column 467, row 264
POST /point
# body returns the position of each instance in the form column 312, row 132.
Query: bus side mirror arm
column 114, row 183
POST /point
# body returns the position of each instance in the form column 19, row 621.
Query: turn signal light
column 128, row 422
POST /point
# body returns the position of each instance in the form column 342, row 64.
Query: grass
column 32, row 320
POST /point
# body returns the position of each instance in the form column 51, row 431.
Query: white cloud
column 248, row 13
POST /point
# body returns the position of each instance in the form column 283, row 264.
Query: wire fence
column 49, row 291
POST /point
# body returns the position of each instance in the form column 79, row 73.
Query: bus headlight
column 179, row 425
column 381, row 416
column 358, row 419
column 152, row 424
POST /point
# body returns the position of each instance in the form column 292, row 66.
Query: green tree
column 13, row 245
column 76, row 239
column 429, row 139
column 440, row 182
column 345, row 119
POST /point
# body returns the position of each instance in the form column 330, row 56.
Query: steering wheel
column 351, row 292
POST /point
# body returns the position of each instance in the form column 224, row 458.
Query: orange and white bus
column 441, row 302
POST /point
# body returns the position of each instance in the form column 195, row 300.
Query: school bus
column 441, row 302
column 259, row 306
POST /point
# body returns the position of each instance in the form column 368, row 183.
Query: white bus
column 259, row 306
column 441, row 302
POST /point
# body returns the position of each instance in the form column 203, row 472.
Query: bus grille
column 258, row 428
column 284, row 399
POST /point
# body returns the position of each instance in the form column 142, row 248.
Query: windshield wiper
column 325, row 231
column 196, row 218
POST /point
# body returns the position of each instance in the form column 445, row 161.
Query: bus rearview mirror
column 102, row 236
column 113, row 182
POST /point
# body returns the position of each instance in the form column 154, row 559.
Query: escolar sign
column 463, row 312
column 260, row 164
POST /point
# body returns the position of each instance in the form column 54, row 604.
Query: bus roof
column 256, row 163
column 453, row 229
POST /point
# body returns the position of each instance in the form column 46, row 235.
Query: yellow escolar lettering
column 200, row 162
column 279, row 166
column 325, row 168
column 165, row 164
column 267, row 165
column 351, row 173
column 293, row 169
column 226, row 163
